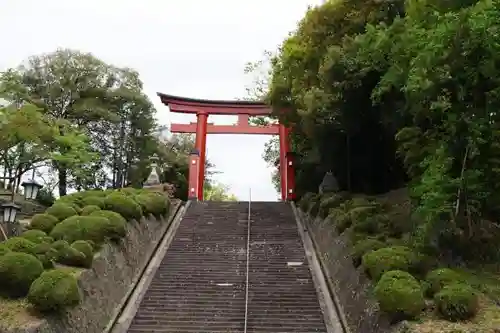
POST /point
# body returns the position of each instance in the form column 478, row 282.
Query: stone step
column 200, row 285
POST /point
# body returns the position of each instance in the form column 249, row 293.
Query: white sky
column 192, row 48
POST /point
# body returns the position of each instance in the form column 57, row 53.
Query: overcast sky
column 192, row 48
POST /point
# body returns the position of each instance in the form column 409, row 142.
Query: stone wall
column 351, row 285
column 114, row 271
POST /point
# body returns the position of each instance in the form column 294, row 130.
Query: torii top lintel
column 217, row 107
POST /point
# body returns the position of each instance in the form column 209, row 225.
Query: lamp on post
column 11, row 209
column 31, row 188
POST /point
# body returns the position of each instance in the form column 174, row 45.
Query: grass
column 16, row 313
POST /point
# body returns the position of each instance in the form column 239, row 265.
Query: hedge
column 17, row 273
column 86, row 249
column 88, row 210
column 19, row 244
column 93, row 201
column 46, row 254
column 457, row 301
column 43, row 222
column 94, row 228
column 67, row 255
column 123, row 205
column 61, row 211
column 399, row 295
column 387, row 259
column 439, row 278
column 363, row 247
column 3, row 249
column 54, row 291
column 37, row 236
column 153, row 203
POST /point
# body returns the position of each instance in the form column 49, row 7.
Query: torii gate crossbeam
column 242, row 109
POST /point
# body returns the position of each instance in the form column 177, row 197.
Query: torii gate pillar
column 200, row 144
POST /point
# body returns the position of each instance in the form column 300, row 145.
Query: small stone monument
column 153, row 178
column 329, row 184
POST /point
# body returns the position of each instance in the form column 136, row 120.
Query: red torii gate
column 244, row 110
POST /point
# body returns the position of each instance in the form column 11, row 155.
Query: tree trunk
column 63, row 180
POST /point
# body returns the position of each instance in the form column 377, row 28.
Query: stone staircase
column 200, row 285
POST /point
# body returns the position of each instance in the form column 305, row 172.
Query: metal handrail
column 248, row 258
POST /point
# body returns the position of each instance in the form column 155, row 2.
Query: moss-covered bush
column 37, row 236
column 88, row 210
column 457, row 302
column 53, row 291
column 342, row 222
column 123, row 205
column 46, row 254
column 94, row 228
column 328, row 202
column 314, row 204
column 61, row 211
column 439, row 278
column 43, row 222
column 86, row 249
column 93, row 201
column 363, row 247
column 69, row 256
column 19, row 244
column 388, row 259
column 370, row 225
column 399, row 295
column 153, row 203
column 17, row 272
column 305, row 200
column 361, row 213
column 3, row 249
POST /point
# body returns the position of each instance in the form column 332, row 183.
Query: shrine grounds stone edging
column 351, row 287
column 105, row 286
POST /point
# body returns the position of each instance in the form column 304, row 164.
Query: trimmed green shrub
column 19, row 244
column 61, row 211
column 342, row 222
column 329, row 202
column 37, row 236
column 94, row 228
column 88, row 210
column 3, row 249
column 153, row 203
column 439, row 278
column 69, row 256
column 361, row 213
column 53, row 291
column 305, row 200
column 313, row 208
column 43, row 222
column 388, row 259
column 46, row 254
column 93, row 201
column 399, row 295
column 17, row 272
column 457, row 301
column 86, row 249
column 359, row 202
column 370, row 225
column 363, row 247
column 124, row 206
